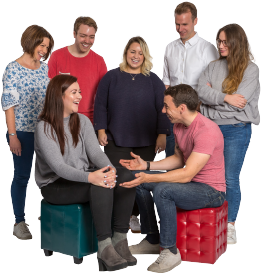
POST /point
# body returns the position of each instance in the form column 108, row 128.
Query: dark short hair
column 33, row 37
column 84, row 21
column 183, row 94
column 186, row 7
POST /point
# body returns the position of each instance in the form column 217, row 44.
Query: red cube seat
column 202, row 234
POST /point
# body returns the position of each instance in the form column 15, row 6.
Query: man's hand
column 136, row 164
column 160, row 143
column 141, row 178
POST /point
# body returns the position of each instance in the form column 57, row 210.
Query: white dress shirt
column 183, row 64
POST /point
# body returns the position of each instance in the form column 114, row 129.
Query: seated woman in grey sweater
column 66, row 147
column 229, row 91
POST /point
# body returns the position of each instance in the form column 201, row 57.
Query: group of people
column 200, row 113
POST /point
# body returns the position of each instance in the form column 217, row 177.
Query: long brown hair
column 238, row 57
column 52, row 113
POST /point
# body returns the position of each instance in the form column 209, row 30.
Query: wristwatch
column 148, row 166
column 12, row 134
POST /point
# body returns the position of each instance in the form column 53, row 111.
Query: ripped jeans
column 167, row 196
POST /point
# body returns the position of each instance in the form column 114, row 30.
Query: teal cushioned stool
column 68, row 229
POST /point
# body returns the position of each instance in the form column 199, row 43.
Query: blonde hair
column 238, row 57
column 147, row 64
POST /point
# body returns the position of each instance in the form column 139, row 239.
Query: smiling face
column 134, row 58
column 84, row 38
column 222, row 44
column 71, row 99
column 172, row 112
column 185, row 25
column 42, row 49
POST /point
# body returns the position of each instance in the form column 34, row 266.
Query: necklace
column 133, row 77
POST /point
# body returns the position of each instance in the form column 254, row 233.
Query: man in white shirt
column 187, row 57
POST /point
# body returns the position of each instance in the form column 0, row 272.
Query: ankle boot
column 122, row 249
column 110, row 260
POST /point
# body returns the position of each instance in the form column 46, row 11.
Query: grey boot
column 122, row 249
column 110, row 260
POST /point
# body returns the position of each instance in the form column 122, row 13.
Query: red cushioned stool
column 202, row 234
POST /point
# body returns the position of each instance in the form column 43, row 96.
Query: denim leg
column 170, row 146
column 188, row 196
column 146, row 207
column 22, row 171
column 236, row 141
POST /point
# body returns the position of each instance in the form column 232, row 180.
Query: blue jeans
column 22, row 171
column 170, row 146
column 167, row 196
column 236, row 141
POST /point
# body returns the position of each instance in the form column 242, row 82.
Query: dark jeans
column 170, row 146
column 167, row 196
column 22, row 171
column 115, row 153
column 116, row 203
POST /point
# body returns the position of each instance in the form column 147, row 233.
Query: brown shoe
column 110, row 260
column 122, row 249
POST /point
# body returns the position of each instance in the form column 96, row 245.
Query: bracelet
column 12, row 134
column 148, row 166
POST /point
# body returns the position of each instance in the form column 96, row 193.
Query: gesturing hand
column 141, row 178
column 136, row 164
column 102, row 178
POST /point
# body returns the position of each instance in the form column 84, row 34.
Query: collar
column 192, row 41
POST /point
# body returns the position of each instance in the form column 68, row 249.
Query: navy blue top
column 130, row 110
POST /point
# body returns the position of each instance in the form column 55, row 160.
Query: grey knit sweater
column 73, row 165
column 213, row 105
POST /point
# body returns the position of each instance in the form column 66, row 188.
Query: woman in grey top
column 66, row 147
column 229, row 91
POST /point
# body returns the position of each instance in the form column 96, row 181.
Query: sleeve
column 205, row 141
column 248, row 88
column 210, row 54
column 10, row 96
column 94, row 152
column 52, row 64
column 51, row 154
column 103, row 69
column 163, row 123
column 166, row 77
column 101, row 103
column 208, row 95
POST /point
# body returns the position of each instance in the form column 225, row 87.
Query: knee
column 161, row 191
column 124, row 175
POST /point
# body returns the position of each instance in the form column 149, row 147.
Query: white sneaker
column 134, row 224
column 165, row 262
column 22, row 232
column 231, row 234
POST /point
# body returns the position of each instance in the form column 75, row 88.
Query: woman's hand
column 15, row 145
column 160, row 143
column 236, row 100
column 102, row 137
column 136, row 164
column 102, row 178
